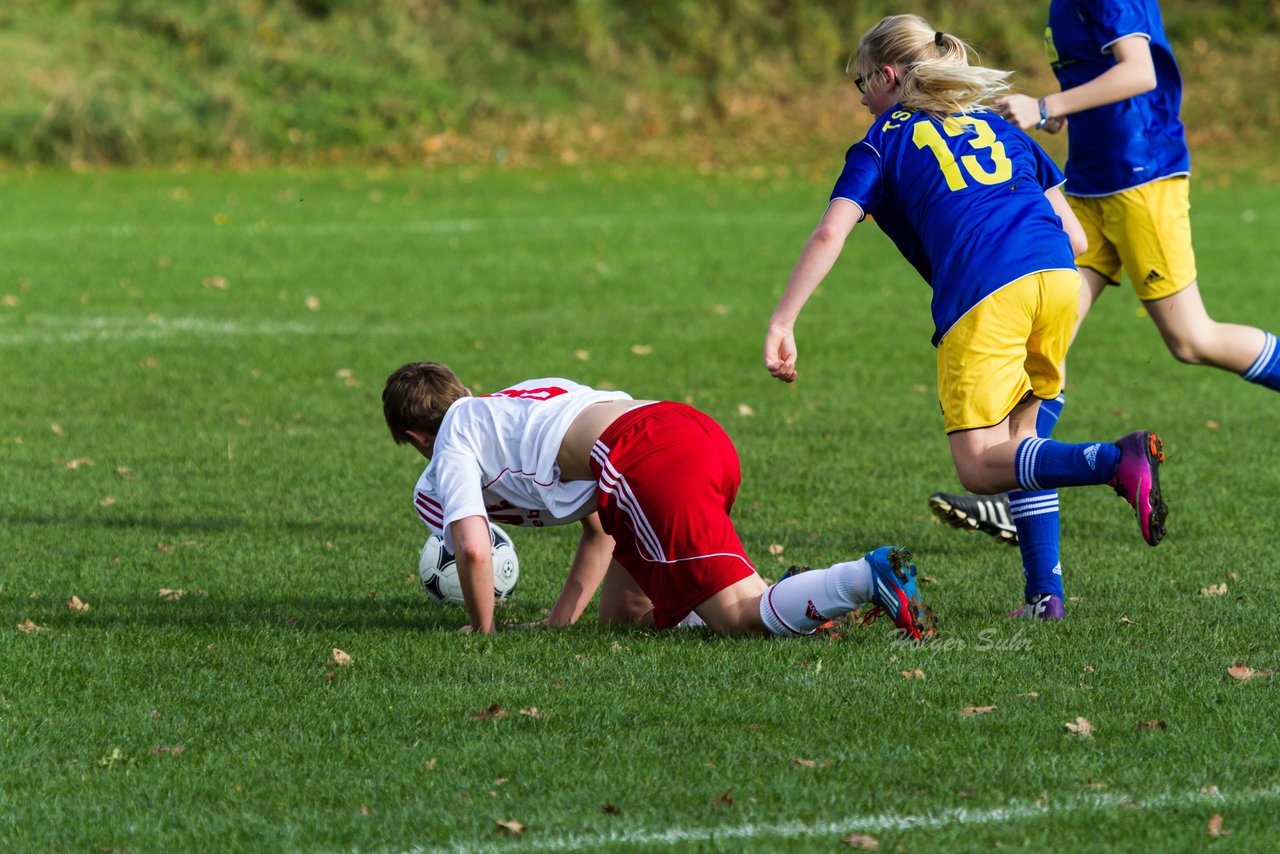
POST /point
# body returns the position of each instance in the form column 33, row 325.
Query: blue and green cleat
column 894, row 592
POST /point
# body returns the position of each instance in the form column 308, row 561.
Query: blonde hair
column 936, row 76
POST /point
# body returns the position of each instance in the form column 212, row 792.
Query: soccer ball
column 439, row 572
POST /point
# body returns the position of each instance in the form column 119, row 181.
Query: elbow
column 1079, row 243
column 826, row 235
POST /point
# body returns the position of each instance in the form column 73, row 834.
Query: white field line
column 959, row 817
column 639, row 220
column 54, row 329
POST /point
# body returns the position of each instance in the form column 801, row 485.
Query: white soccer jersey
column 495, row 456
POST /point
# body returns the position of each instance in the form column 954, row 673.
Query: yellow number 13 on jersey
column 925, row 135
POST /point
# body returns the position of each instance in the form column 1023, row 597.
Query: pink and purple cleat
column 1137, row 480
column 1046, row 606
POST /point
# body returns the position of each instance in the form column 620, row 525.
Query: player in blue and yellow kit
column 1127, row 181
column 975, row 206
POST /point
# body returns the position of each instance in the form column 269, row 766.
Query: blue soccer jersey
column 962, row 199
column 1117, row 146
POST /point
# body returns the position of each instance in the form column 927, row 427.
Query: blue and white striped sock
column 1265, row 370
column 1036, row 516
column 1047, row 417
column 1046, row 464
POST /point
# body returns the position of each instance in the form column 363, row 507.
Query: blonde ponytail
column 936, row 77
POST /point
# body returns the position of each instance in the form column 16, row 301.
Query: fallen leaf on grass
column 312, row 303
column 776, row 548
column 30, row 627
column 861, row 840
column 494, row 712
column 914, row 673
column 165, row 548
column 1125, row 621
column 341, row 658
column 1080, row 726
column 1146, row 726
column 1214, row 827
column 1244, row 673
column 725, row 800
column 970, row 711
column 966, row 793
column 170, row 749
column 77, row 605
column 744, row 409
column 515, row 828
column 217, row 283
column 171, row 594
column 641, row 349
column 1210, row 790
column 810, row 763
column 1214, row 590
column 78, row 463
column 581, row 355
column 535, row 712
column 611, row 809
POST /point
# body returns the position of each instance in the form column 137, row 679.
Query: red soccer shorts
column 668, row 475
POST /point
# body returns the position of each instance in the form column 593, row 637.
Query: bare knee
column 976, row 479
column 1187, row 349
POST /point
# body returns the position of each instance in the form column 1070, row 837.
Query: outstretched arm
column 1133, row 74
column 816, row 260
column 590, row 562
column 473, row 551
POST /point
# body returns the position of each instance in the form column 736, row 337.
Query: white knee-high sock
column 799, row 604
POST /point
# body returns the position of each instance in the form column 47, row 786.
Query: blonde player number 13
column 925, row 135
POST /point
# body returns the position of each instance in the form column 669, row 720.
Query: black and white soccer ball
column 439, row 571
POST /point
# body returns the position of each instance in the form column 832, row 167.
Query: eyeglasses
column 861, row 83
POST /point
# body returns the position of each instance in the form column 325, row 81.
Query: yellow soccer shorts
column 1146, row 231
column 1009, row 345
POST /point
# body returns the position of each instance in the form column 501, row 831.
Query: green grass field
column 192, row 445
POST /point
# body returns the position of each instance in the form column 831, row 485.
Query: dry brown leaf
column 165, row 548
column 1212, row 425
column 1214, row 590
column 861, row 840
column 341, row 658
column 57, row 429
column 30, row 627
column 725, row 800
column 807, row 763
column 581, row 355
column 1080, row 726
column 914, row 673
column 77, row 605
column 494, row 711
column 171, row 749
column 1125, row 621
column 969, row 711
column 611, row 809
column 744, row 409
column 108, row 501
column 78, row 463
column 1210, row 790
column 515, row 828
column 966, row 793
column 218, row 283
column 1214, row 827
column 535, row 712
column 172, row 595
column 641, row 349
column 1233, row 575
column 1146, row 726
column 313, row 303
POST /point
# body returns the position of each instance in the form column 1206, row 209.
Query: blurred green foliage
column 93, row 82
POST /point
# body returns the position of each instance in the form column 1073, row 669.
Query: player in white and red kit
column 652, row 484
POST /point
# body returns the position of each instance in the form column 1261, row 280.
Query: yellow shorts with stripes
column 1009, row 346
column 1145, row 231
